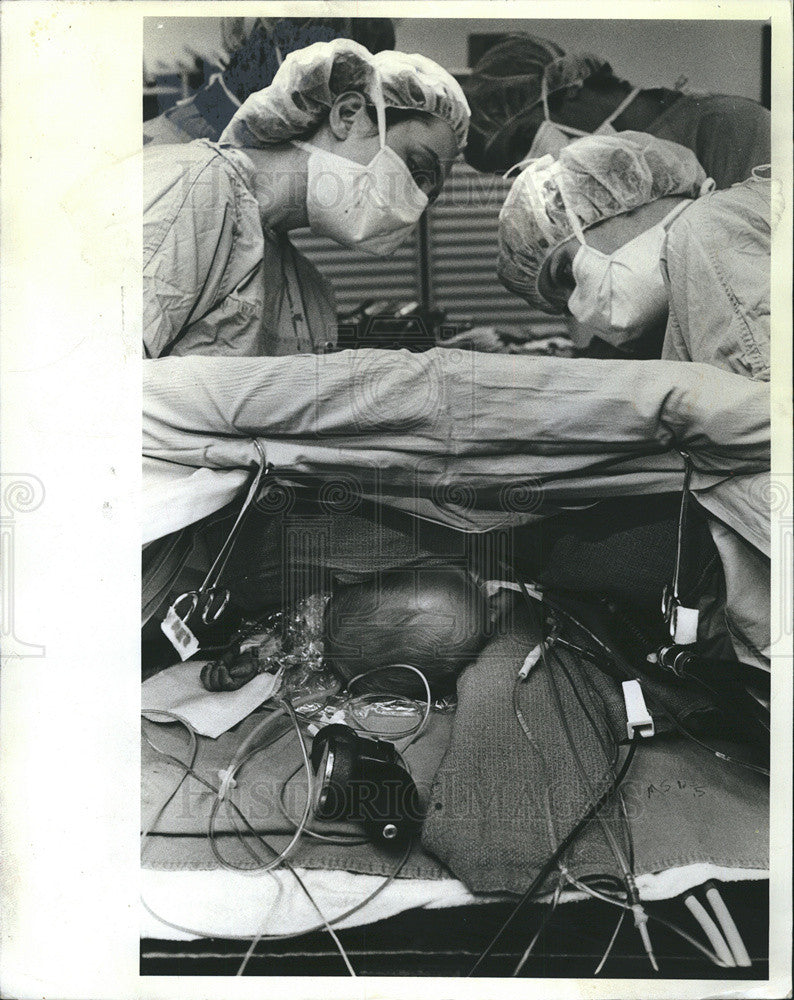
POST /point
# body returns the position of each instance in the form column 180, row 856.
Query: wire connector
column 531, row 661
column 535, row 654
column 227, row 782
column 684, row 625
column 638, row 718
column 641, row 923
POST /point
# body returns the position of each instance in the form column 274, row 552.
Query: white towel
column 178, row 689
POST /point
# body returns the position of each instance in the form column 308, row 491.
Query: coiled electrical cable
column 631, row 673
column 415, row 731
column 188, row 770
column 229, row 777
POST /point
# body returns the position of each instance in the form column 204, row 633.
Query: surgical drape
column 478, row 441
column 411, row 423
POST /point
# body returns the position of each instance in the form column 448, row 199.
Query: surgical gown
column 730, row 136
column 204, row 115
column 215, row 281
column 717, row 261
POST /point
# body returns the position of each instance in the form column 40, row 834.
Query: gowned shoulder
column 734, row 219
column 192, row 181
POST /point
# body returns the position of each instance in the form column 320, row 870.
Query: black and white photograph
column 460, row 368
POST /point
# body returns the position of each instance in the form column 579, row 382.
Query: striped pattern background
column 462, row 237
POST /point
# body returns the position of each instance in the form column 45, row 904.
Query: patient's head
column 435, row 619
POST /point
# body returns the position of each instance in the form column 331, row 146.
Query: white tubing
column 710, row 929
column 729, row 928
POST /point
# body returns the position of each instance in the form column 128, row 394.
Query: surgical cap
column 254, row 64
column 592, row 179
column 505, row 94
column 310, row 79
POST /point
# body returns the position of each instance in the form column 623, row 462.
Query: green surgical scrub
column 215, row 281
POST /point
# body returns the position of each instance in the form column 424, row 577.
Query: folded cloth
column 221, row 903
column 175, row 496
column 481, row 441
column 193, row 853
column 178, row 689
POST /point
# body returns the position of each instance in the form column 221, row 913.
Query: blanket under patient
column 481, row 784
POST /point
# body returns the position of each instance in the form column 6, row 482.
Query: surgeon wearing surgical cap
column 626, row 234
column 529, row 97
column 350, row 144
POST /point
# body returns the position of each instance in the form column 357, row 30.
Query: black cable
column 728, row 758
column 609, row 836
column 593, row 724
column 545, row 919
column 610, row 763
column 563, row 845
column 614, row 655
column 631, row 673
column 621, row 801
column 553, row 841
column 720, row 697
column 593, row 810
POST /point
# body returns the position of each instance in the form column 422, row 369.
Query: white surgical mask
column 372, row 206
column 551, row 137
column 622, row 295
